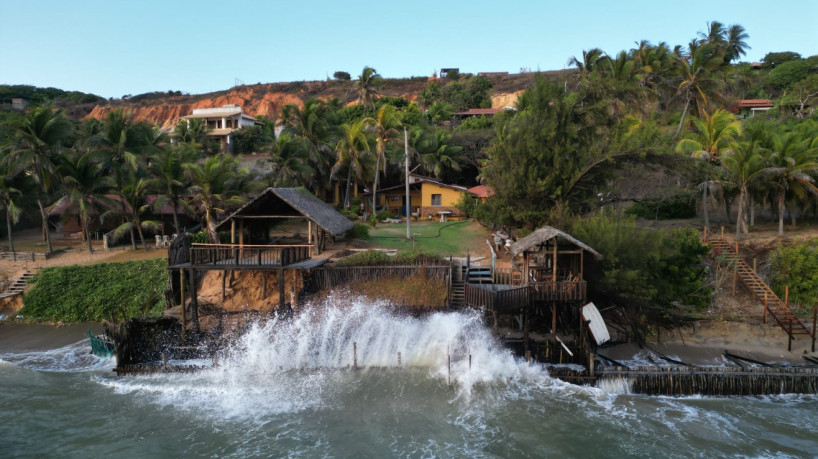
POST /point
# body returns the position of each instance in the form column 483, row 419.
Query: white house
column 223, row 121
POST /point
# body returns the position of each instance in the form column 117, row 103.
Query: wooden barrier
column 242, row 255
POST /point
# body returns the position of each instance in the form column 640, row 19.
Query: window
column 437, row 200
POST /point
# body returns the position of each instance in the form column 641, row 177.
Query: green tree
column 368, row 84
column 698, row 71
column 38, row 141
column 11, row 196
column 352, row 150
column 85, row 186
column 436, row 153
column 713, row 135
column 744, row 163
column 169, row 178
column 215, row 187
column 134, row 194
column 313, row 127
column 385, row 127
column 288, row 165
column 791, row 164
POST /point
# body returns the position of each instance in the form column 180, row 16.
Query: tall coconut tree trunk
column 705, row 204
column 682, row 121
column 375, row 186
column 141, row 236
column 8, row 226
column 349, row 182
column 740, row 216
column 781, row 213
column 175, row 216
column 44, row 218
column 85, row 226
column 752, row 212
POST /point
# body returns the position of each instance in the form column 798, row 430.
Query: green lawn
column 451, row 238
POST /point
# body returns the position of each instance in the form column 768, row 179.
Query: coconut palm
column 436, row 154
column 368, row 83
column 38, row 141
column 385, row 126
column 84, row 187
column 288, row 163
column 11, row 197
column 699, row 82
column 713, row 135
column 134, row 194
column 313, row 128
column 170, row 179
column 791, row 164
column 215, row 188
column 744, row 164
column 352, row 150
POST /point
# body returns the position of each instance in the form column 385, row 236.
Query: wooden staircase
column 779, row 310
column 463, row 274
column 17, row 286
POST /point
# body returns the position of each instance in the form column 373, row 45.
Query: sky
column 117, row 47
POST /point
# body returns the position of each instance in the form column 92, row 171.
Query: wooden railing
column 247, row 255
column 517, row 299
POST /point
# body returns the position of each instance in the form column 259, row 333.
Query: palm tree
column 85, row 186
column 736, row 46
column 38, row 140
column 791, row 164
column 698, row 80
column 352, row 150
column 385, row 125
column 713, row 136
column 368, row 83
column 170, row 179
column 744, row 164
column 311, row 125
column 436, row 154
column 11, row 197
column 288, row 164
column 134, row 195
column 590, row 62
column 214, row 188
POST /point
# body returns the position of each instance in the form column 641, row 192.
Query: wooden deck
column 235, row 256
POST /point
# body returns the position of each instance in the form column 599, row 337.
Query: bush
column 341, row 75
column 796, row 266
column 201, row 237
column 679, row 206
column 113, row 291
column 360, row 231
column 384, row 214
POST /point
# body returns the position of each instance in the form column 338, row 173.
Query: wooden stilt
column 281, row 289
column 554, row 262
column 787, row 296
column 554, row 320
column 182, row 289
column 194, row 304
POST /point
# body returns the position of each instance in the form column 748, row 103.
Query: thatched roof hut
column 322, row 220
column 538, row 239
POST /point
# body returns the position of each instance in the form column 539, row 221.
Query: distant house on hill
column 19, row 104
column 223, row 121
column 482, row 192
column 747, row 108
column 429, row 198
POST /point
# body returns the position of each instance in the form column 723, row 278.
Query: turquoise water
column 287, row 389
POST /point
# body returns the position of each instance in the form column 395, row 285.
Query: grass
column 450, row 238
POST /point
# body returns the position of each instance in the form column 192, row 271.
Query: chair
column 165, row 241
column 158, row 241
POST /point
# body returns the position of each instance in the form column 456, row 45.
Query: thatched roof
column 544, row 234
column 291, row 202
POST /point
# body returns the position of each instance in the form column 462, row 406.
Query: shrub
column 360, row 231
column 679, row 206
column 796, row 266
column 341, row 75
column 113, row 291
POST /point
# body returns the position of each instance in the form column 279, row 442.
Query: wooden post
column 581, row 264
column 241, row 238
column 194, row 304
column 224, row 279
column 309, row 234
column 755, row 264
column 591, row 364
column 789, row 339
column 766, row 310
column 281, row 290
column 554, row 262
column 814, row 316
column 787, row 296
column 233, row 231
column 722, row 233
column 554, row 320
column 182, row 288
column 354, row 355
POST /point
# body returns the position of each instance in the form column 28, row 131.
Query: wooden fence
column 559, row 291
column 325, row 278
column 228, row 255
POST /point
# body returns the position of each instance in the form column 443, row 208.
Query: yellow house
column 429, row 197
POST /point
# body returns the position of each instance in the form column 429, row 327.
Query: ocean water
column 287, row 388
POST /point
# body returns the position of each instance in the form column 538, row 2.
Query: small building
column 429, row 198
column 445, row 72
column 19, row 103
column 747, row 108
column 223, row 121
column 482, row 192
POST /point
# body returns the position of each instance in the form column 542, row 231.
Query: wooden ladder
column 779, row 310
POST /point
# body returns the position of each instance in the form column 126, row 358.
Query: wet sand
column 18, row 338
